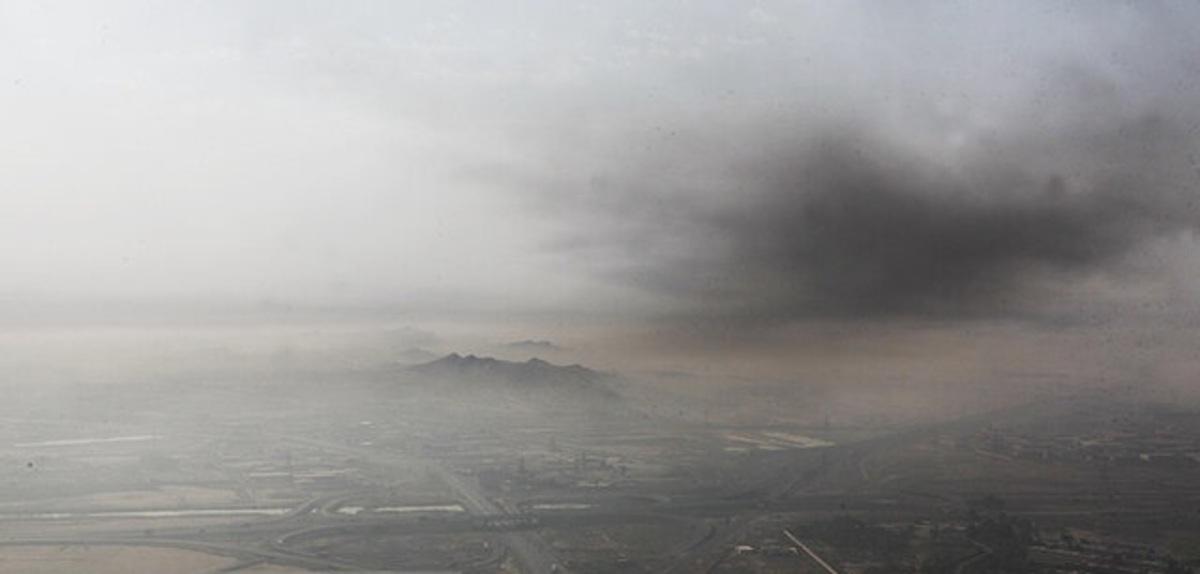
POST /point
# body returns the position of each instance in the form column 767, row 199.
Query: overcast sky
column 741, row 167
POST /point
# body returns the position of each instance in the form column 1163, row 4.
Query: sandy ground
column 271, row 568
column 165, row 497
column 107, row 560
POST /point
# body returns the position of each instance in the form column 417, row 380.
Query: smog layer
column 599, row 287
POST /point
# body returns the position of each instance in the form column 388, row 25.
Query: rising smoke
column 842, row 221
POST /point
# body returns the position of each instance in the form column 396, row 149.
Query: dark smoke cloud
column 758, row 228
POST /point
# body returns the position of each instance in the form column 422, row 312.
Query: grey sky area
column 686, row 173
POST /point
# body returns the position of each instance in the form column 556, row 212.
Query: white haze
column 560, row 168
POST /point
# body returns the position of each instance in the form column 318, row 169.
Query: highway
column 773, row 482
column 531, row 552
column 808, row 551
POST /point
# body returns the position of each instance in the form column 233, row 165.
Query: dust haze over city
column 709, row 287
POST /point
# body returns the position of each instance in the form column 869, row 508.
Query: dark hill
column 534, row 376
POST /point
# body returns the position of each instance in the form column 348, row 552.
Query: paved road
column 804, row 547
column 532, row 552
column 785, row 476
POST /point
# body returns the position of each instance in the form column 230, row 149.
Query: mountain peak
column 534, row 373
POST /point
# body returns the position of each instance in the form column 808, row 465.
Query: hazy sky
column 733, row 166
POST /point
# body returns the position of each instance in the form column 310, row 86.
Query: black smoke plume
column 845, row 224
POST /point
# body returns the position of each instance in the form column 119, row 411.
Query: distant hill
column 534, row 376
column 417, row 355
column 521, row 351
column 535, row 346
